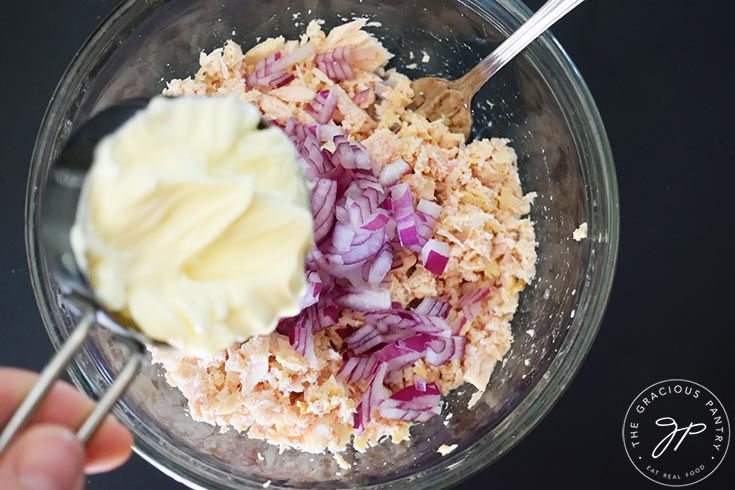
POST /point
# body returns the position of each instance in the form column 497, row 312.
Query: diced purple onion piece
column 325, row 132
column 429, row 208
column 435, row 256
column 314, row 286
column 323, row 106
column 380, row 266
column 335, row 63
column 355, row 369
column 372, row 398
column 365, row 300
column 301, row 337
column 342, row 237
column 402, row 203
column 270, row 71
column 471, row 302
column 281, row 80
column 417, row 403
column 394, row 171
column 362, row 97
column 323, row 198
column 433, row 307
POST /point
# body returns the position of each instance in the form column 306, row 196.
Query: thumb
column 45, row 457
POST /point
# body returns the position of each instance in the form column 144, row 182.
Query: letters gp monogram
column 676, row 433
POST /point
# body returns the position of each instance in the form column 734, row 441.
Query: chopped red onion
column 425, row 226
column 377, row 221
column 345, row 332
column 426, row 217
column 335, row 64
column 313, row 289
column 323, row 106
column 417, row 403
column 302, row 328
column 366, row 201
column 292, row 128
column 355, row 227
column 326, row 316
column 436, row 350
column 326, row 132
column 372, row 398
column 365, row 182
column 301, row 337
column 404, row 319
column 264, row 71
column 270, row 70
column 471, row 302
column 341, row 176
column 380, row 266
column 457, row 327
column 305, row 52
column 362, row 158
column 281, row 80
column 402, row 204
column 429, row 208
column 342, row 237
column 441, row 350
column 351, row 155
column 285, row 325
column 314, row 159
column 362, row 98
column 394, row 377
column 362, row 212
column 355, row 369
column 433, row 307
column 365, row 245
column 385, row 327
column 323, row 198
column 401, row 353
column 365, row 300
column 316, row 107
column 394, row 171
column 435, row 256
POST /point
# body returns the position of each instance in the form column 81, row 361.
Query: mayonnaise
column 194, row 223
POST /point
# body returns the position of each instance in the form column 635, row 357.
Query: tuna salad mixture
column 421, row 250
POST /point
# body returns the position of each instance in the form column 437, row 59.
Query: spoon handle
column 55, row 368
column 539, row 22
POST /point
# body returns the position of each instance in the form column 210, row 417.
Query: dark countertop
column 663, row 77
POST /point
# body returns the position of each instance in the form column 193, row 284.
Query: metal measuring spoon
column 61, row 196
column 436, row 98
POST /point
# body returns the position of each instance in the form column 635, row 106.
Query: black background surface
column 662, row 73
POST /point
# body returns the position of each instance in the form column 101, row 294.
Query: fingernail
column 50, row 458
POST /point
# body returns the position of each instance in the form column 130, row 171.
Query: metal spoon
column 61, row 196
column 436, row 98
column 58, row 213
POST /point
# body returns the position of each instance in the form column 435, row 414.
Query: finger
column 107, row 449
column 45, row 457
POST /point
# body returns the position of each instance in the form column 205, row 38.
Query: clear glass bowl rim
column 540, row 398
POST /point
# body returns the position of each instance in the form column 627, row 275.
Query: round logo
column 676, row 432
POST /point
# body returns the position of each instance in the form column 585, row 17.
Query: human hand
column 47, row 455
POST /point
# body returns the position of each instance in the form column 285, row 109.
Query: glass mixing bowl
column 539, row 101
